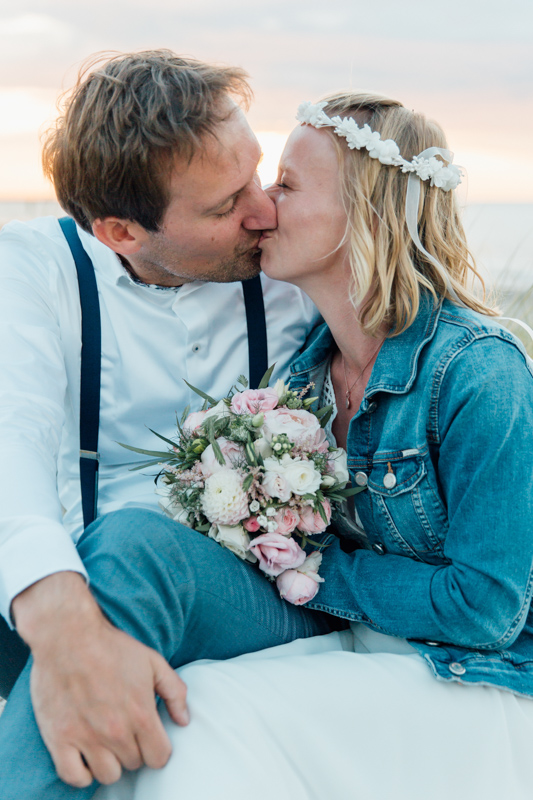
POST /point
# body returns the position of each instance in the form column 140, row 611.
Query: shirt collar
column 396, row 365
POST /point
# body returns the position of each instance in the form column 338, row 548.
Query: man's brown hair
column 111, row 151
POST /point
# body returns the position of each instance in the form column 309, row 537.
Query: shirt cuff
column 36, row 549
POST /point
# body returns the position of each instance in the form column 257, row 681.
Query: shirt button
column 457, row 668
column 371, row 407
column 361, row 478
column 378, row 548
column 196, row 347
column 432, row 644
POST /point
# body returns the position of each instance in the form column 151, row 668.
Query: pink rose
column 300, row 426
column 251, row 524
column 311, row 521
column 277, row 553
column 254, row 401
column 301, row 585
column 194, row 421
column 320, row 442
column 295, row 587
column 287, row 520
column 233, row 453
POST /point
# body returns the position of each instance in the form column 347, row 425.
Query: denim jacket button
column 457, row 668
column 389, row 481
column 371, row 407
column 361, row 478
column 378, row 548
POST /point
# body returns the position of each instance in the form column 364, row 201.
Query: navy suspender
column 257, row 333
column 91, row 348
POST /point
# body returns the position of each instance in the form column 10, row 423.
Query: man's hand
column 93, row 686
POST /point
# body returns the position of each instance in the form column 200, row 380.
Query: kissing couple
column 138, row 653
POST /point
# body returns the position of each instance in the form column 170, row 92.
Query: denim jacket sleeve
column 481, row 420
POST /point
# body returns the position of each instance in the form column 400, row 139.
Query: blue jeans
column 176, row 591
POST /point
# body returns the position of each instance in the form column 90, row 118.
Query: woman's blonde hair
column 387, row 269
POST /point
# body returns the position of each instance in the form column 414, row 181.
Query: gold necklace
column 356, row 381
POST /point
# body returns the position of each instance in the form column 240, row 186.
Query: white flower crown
column 445, row 177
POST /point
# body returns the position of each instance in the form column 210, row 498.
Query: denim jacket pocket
column 403, row 500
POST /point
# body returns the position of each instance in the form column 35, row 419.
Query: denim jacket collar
column 396, row 365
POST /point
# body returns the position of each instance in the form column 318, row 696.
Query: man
column 154, row 160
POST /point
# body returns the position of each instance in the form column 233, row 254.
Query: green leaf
column 164, row 438
column 326, row 418
column 247, row 482
column 218, row 453
column 243, row 381
column 350, row 492
column 266, row 377
column 323, row 513
column 321, row 411
column 250, row 454
column 184, row 415
column 144, row 465
column 156, row 453
column 199, row 392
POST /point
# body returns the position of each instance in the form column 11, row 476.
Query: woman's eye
column 282, row 185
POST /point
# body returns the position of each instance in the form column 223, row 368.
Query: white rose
column 339, row 460
column 302, row 477
column 274, row 481
column 263, row 448
column 220, row 410
column 235, row 538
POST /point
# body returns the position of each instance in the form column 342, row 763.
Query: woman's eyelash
column 282, row 185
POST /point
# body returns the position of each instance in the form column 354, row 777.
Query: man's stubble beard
column 163, row 268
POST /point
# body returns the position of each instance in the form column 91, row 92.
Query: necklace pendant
column 347, row 400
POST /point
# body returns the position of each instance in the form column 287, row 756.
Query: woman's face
column 311, row 219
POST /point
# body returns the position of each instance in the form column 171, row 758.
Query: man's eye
column 282, row 185
column 227, row 213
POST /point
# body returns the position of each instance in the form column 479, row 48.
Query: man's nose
column 262, row 211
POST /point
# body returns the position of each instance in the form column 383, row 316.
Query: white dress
column 354, row 715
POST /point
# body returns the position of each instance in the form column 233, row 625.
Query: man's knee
column 131, row 531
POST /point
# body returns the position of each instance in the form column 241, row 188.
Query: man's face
column 215, row 216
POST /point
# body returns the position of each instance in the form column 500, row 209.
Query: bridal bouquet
column 255, row 472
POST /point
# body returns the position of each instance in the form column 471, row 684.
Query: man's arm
column 93, row 686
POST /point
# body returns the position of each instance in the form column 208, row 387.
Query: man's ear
column 121, row 235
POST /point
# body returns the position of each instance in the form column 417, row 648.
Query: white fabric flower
column 224, row 502
column 235, row 538
column 386, row 151
column 312, row 114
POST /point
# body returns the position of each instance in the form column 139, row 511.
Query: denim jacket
column 443, row 443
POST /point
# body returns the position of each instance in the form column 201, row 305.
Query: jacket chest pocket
column 406, row 510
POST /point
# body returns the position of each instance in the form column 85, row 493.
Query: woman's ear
column 121, row 235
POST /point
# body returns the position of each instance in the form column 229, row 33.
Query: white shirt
column 151, row 340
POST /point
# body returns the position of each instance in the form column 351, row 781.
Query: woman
column 429, row 693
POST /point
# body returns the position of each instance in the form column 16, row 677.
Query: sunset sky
column 467, row 63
